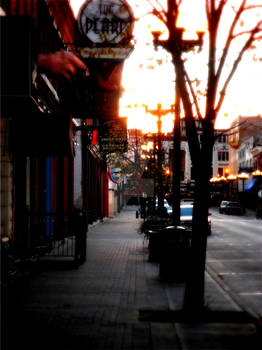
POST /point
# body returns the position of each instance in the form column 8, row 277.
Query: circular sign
column 106, row 21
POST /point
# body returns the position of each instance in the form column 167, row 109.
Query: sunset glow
column 152, row 86
column 148, row 76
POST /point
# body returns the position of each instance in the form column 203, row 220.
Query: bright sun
column 148, row 77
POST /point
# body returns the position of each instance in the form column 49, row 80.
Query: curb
column 257, row 319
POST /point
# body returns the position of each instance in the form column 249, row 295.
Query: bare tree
column 215, row 92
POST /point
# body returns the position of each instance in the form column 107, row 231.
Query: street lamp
column 176, row 45
column 257, row 173
column 159, row 112
column 227, row 172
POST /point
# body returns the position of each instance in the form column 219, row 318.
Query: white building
column 245, row 140
column 220, row 154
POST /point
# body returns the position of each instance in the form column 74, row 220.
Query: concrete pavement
column 116, row 301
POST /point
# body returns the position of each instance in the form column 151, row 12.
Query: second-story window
column 222, row 139
column 222, row 156
column 242, row 154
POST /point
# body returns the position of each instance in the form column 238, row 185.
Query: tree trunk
column 201, row 158
column 194, row 298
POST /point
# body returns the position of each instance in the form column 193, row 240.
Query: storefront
column 44, row 118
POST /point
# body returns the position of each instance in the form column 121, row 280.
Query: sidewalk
column 115, row 301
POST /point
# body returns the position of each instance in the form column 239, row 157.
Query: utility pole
column 159, row 112
column 176, row 46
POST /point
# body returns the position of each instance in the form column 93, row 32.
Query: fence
column 47, row 234
column 58, row 234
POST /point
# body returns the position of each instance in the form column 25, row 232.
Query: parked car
column 222, row 206
column 186, row 217
column 233, row 208
column 169, row 209
column 187, row 201
column 166, row 205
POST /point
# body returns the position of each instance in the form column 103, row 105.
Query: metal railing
column 58, row 234
column 47, row 234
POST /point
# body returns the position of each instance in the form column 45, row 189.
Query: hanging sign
column 113, row 136
column 106, row 21
column 107, row 27
column 116, row 175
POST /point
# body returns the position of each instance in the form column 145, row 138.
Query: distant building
column 237, row 149
column 245, row 144
column 220, row 153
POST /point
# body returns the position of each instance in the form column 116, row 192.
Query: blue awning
column 250, row 185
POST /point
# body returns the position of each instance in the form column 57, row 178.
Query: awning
column 42, row 134
column 96, row 96
column 16, row 62
column 250, row 185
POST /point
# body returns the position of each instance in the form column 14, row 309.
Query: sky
column 148, row 75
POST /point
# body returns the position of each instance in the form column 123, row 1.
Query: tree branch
column 208, row 11
column 212, row 82
column 251, row 7
column 191, row 129
column 240, row 33
column 256, row 30
column 157, row 13
column 193, row 94
column 221, row 6
column 229, row 39
column 234, row 67
column 158, row 3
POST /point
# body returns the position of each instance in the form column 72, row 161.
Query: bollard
column 81, row 229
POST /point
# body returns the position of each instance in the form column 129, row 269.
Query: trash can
column 174, row 254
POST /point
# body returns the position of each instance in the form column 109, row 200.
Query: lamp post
column 231, row 178
column 159, row 112
column 243, row 176
column 176, row 45
column 222, row 181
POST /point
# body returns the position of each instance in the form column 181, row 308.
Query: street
column 234, row 255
